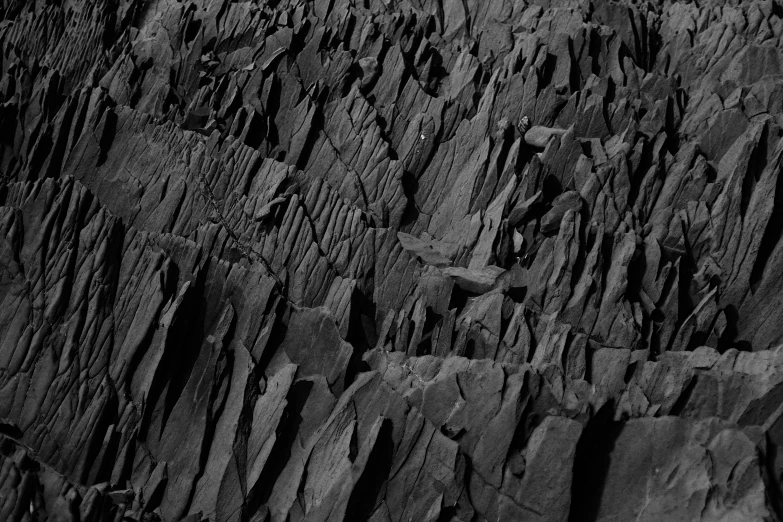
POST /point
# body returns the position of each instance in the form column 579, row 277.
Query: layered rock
column 391, row 260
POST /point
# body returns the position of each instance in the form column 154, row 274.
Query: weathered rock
column 669, row 468
column 477, row 281
column 370, row 71
column 566, row 201
column 312, row 261
column 538, row 136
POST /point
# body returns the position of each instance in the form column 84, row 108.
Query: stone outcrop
column 391, row 260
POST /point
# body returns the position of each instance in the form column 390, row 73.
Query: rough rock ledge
column 391, row 260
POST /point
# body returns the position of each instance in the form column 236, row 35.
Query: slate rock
column 391, row 261
column 570, row 200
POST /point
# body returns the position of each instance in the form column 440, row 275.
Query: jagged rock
column 312, row 261
column 476, row 281
column 676, row 474
column 570, row 200
column 538, row 136
column 430, row 252
column 370, row 71
column 522, row 209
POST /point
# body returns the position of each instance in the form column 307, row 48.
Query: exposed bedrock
column 392, row 261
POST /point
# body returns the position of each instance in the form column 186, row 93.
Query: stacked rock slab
column 391, row 260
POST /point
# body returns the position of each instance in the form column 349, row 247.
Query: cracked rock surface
column 391, row 260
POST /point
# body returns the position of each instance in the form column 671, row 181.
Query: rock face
column 391, row 260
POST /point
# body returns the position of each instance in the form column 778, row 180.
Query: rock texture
column 391, row 260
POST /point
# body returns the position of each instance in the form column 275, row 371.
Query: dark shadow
column 730, row 332
column 431, row 320
column 362, row 334
column 591, row 464
column 192, row 30
column 771, row 237
column 176, row 364
column 10, row 430
column 367, row 493
column 107, row 135
column 459, row 298
column 409, row 187
column 517, row 294
column 260, row 492
column 756, row 165
column 551, row 187
column 685, row 397
column 470, row 349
